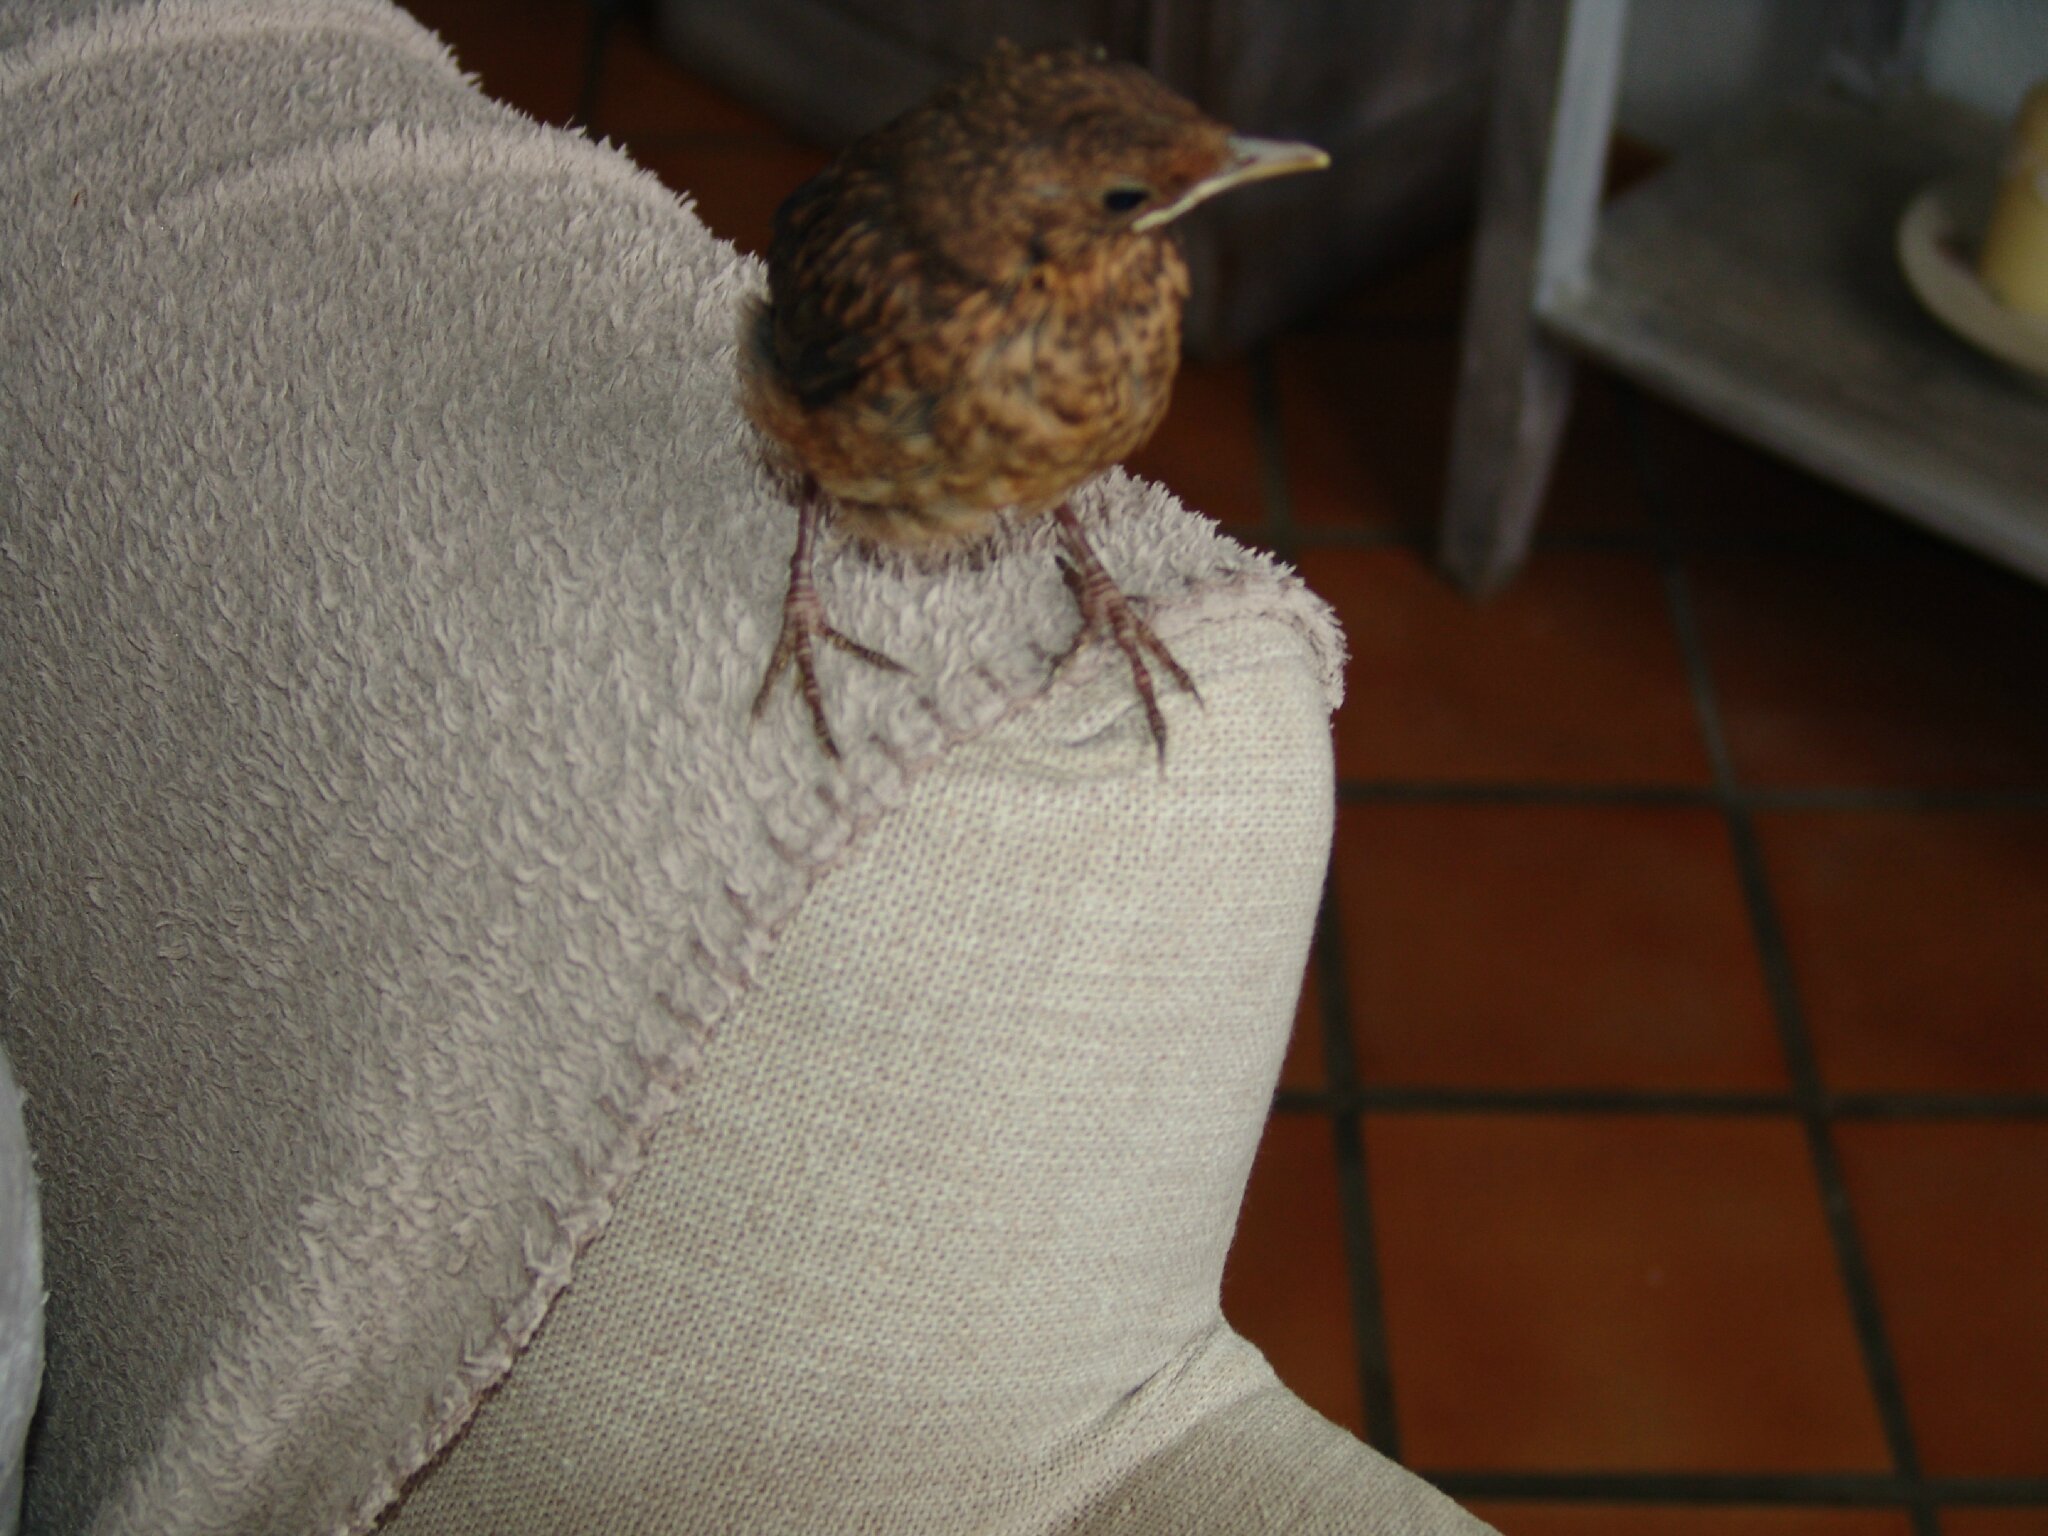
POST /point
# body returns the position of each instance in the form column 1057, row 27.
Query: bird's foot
column 803, row 626
column 1107, row 614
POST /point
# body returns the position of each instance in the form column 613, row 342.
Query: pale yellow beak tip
column 1256, row 159
column 1250, row 160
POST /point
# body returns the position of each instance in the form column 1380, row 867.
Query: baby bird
column 975, row 308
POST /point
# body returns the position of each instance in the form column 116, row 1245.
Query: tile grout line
column 1372, row 1358
column 1559, row 792
column 1774, row 956
column 1374, row 1361
column 1444, row 1099
column 1839, row 1490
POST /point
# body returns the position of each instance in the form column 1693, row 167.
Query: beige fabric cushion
column 933, row 1245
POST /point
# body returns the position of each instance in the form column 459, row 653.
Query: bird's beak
column 1250, row 160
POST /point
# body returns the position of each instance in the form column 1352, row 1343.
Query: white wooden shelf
column 1757, row 283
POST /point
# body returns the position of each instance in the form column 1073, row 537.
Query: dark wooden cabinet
column 1394, row 89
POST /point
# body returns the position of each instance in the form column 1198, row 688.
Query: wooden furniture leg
column 1546, row 154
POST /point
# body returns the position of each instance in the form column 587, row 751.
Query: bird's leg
column 1107, row 613
column 803, row 625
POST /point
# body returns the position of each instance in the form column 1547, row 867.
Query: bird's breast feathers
column 1010, row 397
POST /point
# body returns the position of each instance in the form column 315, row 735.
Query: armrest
column 417, row 959
column 934, row 1242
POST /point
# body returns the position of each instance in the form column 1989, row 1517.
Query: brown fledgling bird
column 977, row 307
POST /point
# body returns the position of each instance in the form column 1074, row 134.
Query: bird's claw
column 1107, row 613
column 803, row 626
column 1119, row 623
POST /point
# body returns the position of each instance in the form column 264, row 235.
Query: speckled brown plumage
column 977, row 307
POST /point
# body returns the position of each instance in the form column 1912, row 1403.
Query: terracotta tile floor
column 1664, row 1148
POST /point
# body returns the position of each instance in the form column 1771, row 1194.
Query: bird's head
column 1036, row 157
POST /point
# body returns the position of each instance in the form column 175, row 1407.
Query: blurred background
column 1663, row 1147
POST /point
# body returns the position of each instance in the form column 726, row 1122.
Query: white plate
column 1938, row 248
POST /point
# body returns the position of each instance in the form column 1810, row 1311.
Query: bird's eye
column 1124, row 199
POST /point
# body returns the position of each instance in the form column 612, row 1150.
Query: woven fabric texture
column 933, row 1245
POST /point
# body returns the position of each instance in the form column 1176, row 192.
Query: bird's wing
column 848, row 288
